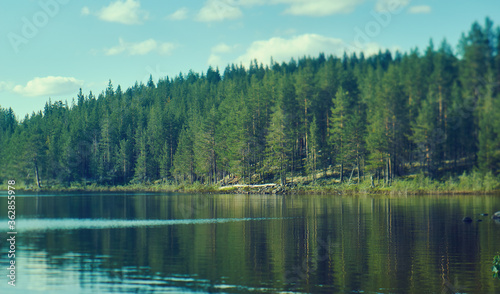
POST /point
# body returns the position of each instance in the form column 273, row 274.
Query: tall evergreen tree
column 184, row 161
column 278, row 148
column 338, row 135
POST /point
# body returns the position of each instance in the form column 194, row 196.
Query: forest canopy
column 388, row 115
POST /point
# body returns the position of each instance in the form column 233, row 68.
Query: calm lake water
column 181, row 243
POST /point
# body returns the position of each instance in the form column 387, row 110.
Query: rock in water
column 467, row 219
column 484, row 214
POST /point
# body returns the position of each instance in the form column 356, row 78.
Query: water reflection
column 114, row 243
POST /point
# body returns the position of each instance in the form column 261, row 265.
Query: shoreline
column 273, row 189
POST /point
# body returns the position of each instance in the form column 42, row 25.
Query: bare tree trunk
column 341, row 171
column 305, row 122
column 37, row 178
column 386, row 172
column 350, row 177
column 282, row 171
column 357, row 163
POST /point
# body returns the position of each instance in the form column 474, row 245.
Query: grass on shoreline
column 77, row 187
column 472, row 183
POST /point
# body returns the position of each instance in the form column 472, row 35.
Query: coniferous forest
column 391, row 115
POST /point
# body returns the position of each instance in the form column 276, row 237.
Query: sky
column 52, row 48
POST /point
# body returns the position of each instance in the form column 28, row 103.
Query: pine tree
column 356, row 128
column 286, row 99
column 338, row 135
column 277, row 146
column 140, row 171
column 206, row 146
column 489, row 131
column 184, row 161
column 423, row 132
column 150, row 83
column 313, row 156
column 233, row 137
column 328, row 82
column 109, row 90
column 105, row 152
column 123, row 162
column 304, row 95
column 155, row 140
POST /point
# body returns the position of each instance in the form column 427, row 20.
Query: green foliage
column 278, row 147
column 496, row 267
column 313, row 156
column 327, row 118
column 338, row 130
column 140, row 173
column 184, row 158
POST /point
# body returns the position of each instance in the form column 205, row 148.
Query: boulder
column 467, row 219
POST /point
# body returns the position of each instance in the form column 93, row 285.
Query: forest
column 387, row 116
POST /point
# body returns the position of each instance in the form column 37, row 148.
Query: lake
column 204, row 243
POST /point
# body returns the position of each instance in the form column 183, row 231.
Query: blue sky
column 51, row 48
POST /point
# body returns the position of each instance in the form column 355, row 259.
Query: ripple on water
column 76, row 224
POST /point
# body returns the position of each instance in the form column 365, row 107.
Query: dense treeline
column 387, row 115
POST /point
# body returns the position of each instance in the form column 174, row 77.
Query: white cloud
column 85, row 10
column 180, row 14
column 393, row 6
column 421, row 9
column 125, row 12
column 48, row 86
column 373, row 48
column 320, row 7
column 215, row 58
column 219, row 10
column 254, row 2
column 310, row 7
column 165, row 48
column 281, row 49
column 140, row 48
column 222, row 48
